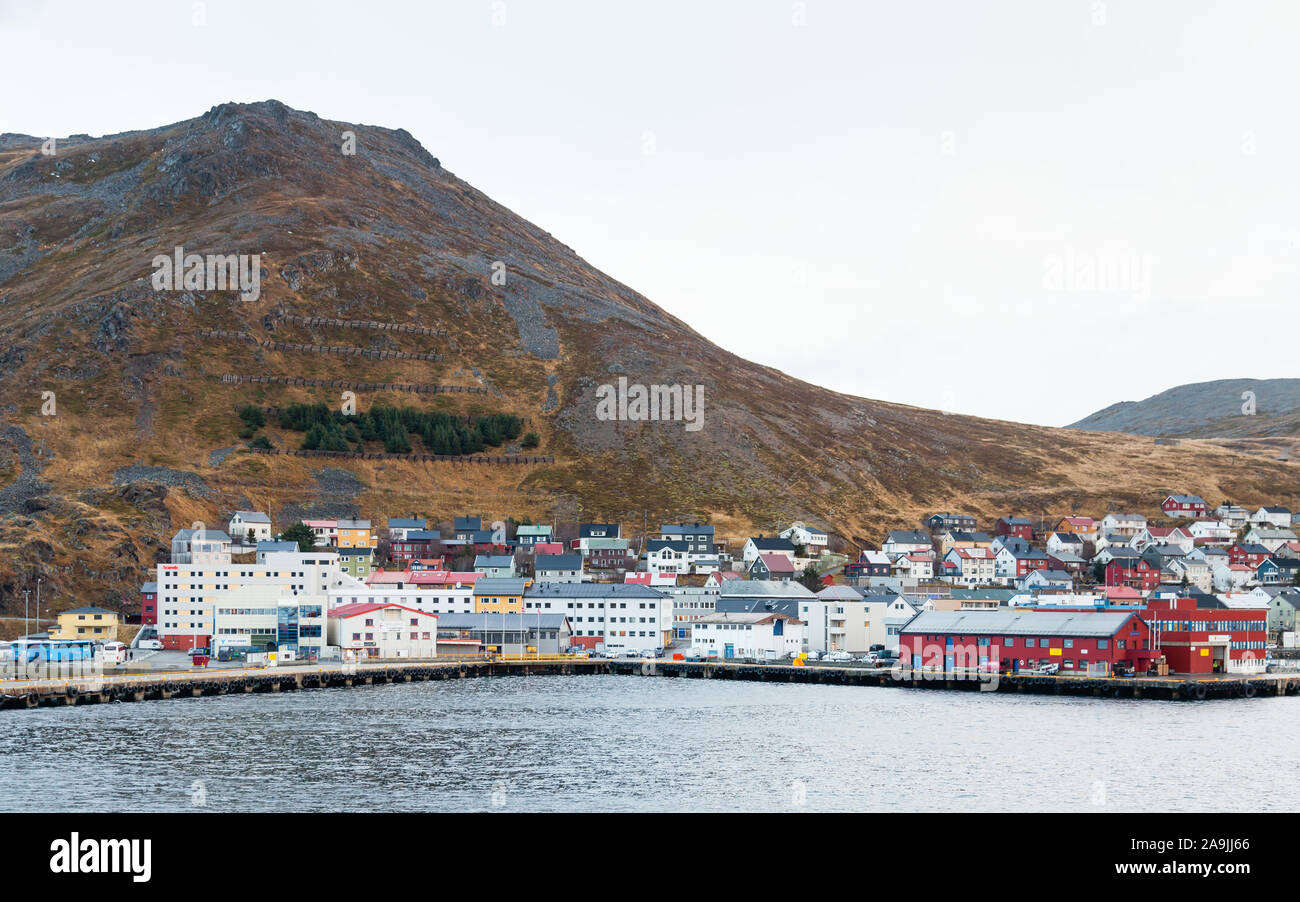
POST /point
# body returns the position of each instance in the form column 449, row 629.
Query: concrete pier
column 142, row 687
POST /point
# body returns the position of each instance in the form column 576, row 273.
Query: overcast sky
column 1024, row 209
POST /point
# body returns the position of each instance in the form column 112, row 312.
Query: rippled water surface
column 614, row 743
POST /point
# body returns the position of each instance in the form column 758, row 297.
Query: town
column 1192, row 592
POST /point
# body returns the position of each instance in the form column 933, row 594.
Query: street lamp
column 26, row 629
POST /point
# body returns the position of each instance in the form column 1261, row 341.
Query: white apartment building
column 189, row 594
column 614, row 616
column 838, row 620
column 457, row 598
column 690, row 603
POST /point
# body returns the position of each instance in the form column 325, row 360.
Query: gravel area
column 23, row 495
column 163, row 476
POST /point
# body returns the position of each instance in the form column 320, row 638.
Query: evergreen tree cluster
column 441, row 433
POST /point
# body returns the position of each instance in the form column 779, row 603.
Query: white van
column 114, row 654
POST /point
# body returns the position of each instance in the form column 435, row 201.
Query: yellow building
column 87, row 623
column 356, row 534
column 499, row 596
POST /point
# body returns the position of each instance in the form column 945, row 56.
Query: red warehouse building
column 1089, row 642
column 1198, row 640
column 1133, row 571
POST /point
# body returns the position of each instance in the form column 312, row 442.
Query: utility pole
column 38, row 604
column 26, row 594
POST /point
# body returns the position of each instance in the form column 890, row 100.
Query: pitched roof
column 493, row 560
column 558, row 562
column 661, row 544
column 780, row 588
column 777, row 563
column 251, row 516
column 839, row 593
column 772, row 543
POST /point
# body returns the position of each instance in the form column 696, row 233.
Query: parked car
column 198, row 650
column 1050, row 667
column 649, row 653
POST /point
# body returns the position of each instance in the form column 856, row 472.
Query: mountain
column 1226, row 408
column 120, row 420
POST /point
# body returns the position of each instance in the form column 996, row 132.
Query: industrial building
column 1090, row 642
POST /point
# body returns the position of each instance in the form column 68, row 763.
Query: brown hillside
column 90, row 495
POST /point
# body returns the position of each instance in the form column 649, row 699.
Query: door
column 729, row 651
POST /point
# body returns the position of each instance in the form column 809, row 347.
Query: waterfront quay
column 127, row 687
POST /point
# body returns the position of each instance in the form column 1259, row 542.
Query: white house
column 1126, row 524
column 814, row 540
column 326, row 531
column 244, row 523
column 1212, row 531
column 667, row 557
column 971, row 566
column 758, row 545
column 398, row 527
column 919, row 565
column 1271, row 537
column 559, row 568
column 762, row 635
column 1232, row 577
column 1196, row 572
column 1064, row 541
column 1052, row 580
column 905, row 541
column 1271, row 516
column 1233, row 515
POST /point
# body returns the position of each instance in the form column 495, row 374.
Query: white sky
column 892, row 199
